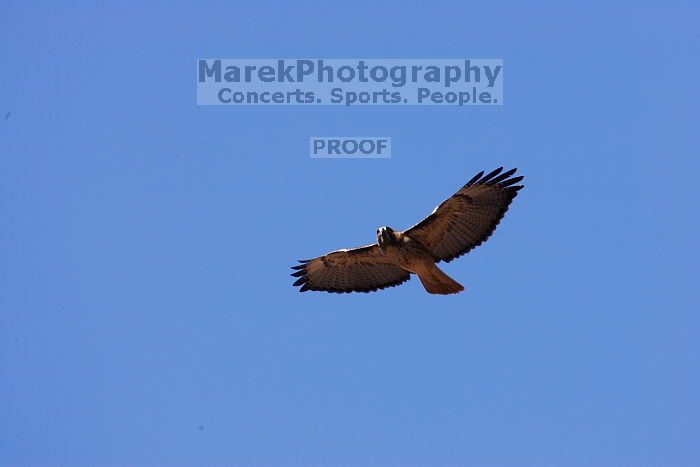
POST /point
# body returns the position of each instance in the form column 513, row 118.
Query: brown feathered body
column 409, row 254
column 458, row 225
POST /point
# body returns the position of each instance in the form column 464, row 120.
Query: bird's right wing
column 363, row 269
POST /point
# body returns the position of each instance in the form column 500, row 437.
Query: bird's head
column 385, row 236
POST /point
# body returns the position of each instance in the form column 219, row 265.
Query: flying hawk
column 455, row 227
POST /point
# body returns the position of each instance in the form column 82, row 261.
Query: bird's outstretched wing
column 363, row 269
column 469, row 217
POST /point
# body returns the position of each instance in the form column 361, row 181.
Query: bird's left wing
column 468, row 218
column 363, row 269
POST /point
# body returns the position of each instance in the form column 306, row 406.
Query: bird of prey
column 455, row 227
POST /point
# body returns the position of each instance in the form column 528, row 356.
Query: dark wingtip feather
column 303, row 260
column 299, row 266
column 491, row 175
column 512, row 181
column 298, row 273
column 302, row 280
column 475, row 178
column 304, row 288
column 502, row 177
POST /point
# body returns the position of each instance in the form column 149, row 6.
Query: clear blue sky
column 147, row 316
